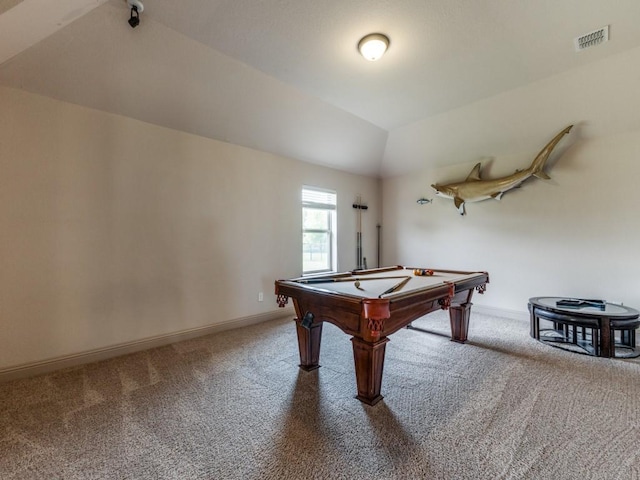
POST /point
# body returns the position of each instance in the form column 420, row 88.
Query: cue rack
column 361, row 261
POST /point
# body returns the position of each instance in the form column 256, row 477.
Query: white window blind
column 318, row 198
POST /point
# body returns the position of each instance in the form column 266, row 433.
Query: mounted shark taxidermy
column 474, row 189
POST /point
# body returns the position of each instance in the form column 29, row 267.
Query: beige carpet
column 236, row 406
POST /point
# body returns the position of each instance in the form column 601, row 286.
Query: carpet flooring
column 236, row 406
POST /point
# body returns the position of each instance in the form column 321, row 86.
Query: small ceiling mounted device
column 373, row 46
column 136, row 9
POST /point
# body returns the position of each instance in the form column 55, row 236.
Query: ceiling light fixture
column 373, row 46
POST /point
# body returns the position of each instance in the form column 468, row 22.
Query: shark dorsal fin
column 475, row 174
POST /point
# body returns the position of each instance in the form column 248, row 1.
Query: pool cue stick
column 359, row 234
column 311, row 281
column 378, row 252
column 360, row 228
column 397, row 286
column 379, row 270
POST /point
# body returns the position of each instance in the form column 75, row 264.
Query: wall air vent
column 591, row 39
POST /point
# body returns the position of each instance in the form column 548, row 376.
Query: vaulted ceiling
column 284, row 76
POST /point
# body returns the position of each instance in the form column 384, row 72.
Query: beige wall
column 574, row 235
column 113, row 230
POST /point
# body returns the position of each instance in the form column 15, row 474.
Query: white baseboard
column 50, row 365
column 501, row 312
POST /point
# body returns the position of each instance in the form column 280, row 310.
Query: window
column 318, row 230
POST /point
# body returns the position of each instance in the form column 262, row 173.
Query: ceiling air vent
column 592, row 39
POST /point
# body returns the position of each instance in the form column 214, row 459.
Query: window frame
column 314, row 198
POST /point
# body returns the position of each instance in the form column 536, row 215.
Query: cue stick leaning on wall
column 359, row 207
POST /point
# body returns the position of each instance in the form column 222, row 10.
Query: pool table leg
column 459, row 317
column 309, row 345
column 369, row 361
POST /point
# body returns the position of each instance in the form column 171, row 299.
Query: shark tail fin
column 537, row 166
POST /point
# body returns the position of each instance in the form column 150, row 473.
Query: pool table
column 372, row 304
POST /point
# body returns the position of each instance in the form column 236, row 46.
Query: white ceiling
column 284, row 76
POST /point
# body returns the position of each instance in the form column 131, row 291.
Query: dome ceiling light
column 373, row 46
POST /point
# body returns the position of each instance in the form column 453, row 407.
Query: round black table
column 583, row 326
